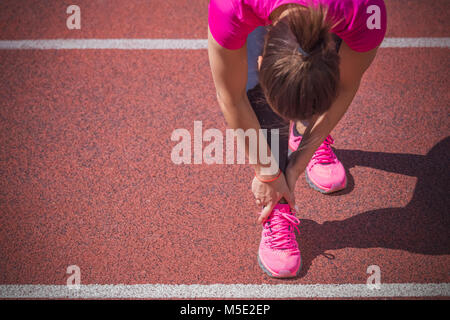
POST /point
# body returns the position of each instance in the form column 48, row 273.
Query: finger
column 258, row 202
column 263, row 201
column 266, row 212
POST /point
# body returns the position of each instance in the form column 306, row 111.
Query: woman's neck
column 280, row 12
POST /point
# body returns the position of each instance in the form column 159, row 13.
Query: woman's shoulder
column 232, row 21
column 361, row 24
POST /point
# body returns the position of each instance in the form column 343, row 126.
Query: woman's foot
column 324, row 173
column 278, row 253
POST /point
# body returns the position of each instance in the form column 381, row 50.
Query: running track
column 86, row 176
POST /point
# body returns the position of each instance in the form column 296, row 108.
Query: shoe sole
column 270, row 274
column 312, row 185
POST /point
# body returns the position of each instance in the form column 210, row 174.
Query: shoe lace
column 324, row 154
column 280, row 229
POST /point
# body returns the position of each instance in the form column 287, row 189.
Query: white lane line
column 415, row 43
column 124, row 44
column 249, row 291
column 179, row 44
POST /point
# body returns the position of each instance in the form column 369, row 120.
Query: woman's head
column 299, row 71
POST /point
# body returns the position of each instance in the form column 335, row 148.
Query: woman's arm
column 352, row 67
column 229, row 71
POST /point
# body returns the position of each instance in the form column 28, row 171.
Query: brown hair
column 298, row 85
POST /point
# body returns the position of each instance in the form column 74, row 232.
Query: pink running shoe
column 278, row 253
column 324, row 173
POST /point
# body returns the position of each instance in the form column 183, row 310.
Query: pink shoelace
column 278, row 228
column 324, row 154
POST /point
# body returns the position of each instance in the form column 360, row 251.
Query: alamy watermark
column 74, row 280
column 73, row 21
column 374, row 280
column 220, row 148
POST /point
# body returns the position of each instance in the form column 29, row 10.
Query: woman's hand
column 268, row 194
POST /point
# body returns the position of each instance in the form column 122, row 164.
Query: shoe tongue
column 283, row 207
column 281, row 223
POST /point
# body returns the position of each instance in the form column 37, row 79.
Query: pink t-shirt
column 362, row 27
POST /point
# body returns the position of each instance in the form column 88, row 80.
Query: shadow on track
column 422, row 226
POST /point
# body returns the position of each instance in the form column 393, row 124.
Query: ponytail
column 299, row 72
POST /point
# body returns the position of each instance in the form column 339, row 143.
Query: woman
column 304, row 80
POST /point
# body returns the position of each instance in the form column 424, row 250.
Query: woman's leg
column 270, row 120
column 255, row 44
column 268, row 256
column 266, row 117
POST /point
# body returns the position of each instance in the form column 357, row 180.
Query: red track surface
column 86, row 176
column 177, row 19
